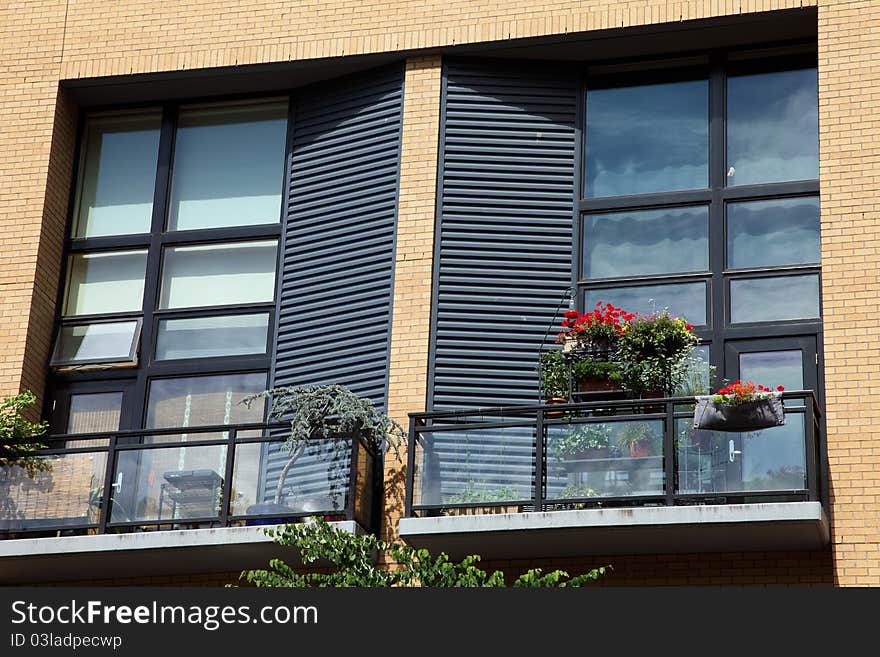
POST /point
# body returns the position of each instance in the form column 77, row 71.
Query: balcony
column 504, row 483
column 136, row 503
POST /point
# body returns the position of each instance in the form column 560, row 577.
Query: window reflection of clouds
column 768, row 233
column 778, row 298
column 686, row 300
column 773, row 127
column 644, row 139
column 667, row 241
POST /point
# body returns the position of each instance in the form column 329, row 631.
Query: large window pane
column 218, row 274
column 652, row 138
column 768, row 233
column 646, row 242
column 778, row 298
column 773, row 127
column 204, row 401
column 106, row 282
column 107, row 341
column 228, row 166
column 203, row 337
column 682, row 299
column 119, row 175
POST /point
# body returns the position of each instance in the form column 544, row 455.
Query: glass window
column 773, row 127
column 94, row 412
column 652, row 138
column 643, row 242
column 106, row 341
column 203, row 337
column 772, row 233
column 119, row 175
column 777, row 298
column 773, row 368
column 204, row 401
column 218, row 274
column 686, row 300
column 106, row 283
column 228, row 166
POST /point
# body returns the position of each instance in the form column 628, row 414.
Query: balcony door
column 771, row 459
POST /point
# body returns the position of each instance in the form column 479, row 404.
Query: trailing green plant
column 329, row 416
column 353, row 564
column 554, row 374
column 583, row 437
column 473, row 494
column 652, row 352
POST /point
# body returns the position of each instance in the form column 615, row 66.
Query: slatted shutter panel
column 338, row 261
column 505, row 252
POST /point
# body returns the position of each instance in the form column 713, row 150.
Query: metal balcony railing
column 615, row 453
column 184, row 478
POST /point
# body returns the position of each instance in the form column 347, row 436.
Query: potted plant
column 740, row 407
column 637, row 439
column 329, row 416
column 583, row 442
column 590, row 341
column 653, row 352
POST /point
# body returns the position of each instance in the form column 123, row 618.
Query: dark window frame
column 716, row 66
column 155, row 241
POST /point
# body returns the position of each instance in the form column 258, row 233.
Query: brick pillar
column 849, row 174
column 410, row 329
column 30, row 204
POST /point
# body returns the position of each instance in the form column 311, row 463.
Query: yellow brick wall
column 46, row 41
column 410, row 325
column 849, row 175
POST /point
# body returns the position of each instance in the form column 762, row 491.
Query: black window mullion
column 717, row 224
column 258, row 232
column 151, row 284
column 645, row 201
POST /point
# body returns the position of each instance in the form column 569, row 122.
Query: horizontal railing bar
column 508, row 411
column 126, row 433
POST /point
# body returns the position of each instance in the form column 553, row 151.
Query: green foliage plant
column 19, row 436
column 352, row 560
column 581, row 438
column 653, row 352
column 330, row 416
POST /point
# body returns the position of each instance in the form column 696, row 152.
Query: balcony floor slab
column 639, row 530
column 142, row 554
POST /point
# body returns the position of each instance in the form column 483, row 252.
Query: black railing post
column 539, row 460
column 352, row 476
column 810, row 449
column 229, row 469
column 669, row 452
column 410, row 468
column 107, row 493
column 377, row 492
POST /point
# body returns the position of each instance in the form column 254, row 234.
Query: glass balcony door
column 771, row 459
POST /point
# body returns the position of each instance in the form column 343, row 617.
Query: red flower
column 780, row 388
column 689, row 327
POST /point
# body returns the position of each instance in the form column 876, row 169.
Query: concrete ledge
column 640, row 530
column 142, row 554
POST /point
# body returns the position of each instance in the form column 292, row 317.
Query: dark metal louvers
column 505, row 237
column 337, row 271
column 338, row 261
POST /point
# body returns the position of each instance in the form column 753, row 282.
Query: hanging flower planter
column 740, row 407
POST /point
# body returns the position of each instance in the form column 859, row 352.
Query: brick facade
column 46, row 42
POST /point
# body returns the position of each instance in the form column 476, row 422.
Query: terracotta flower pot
column 597, row 384
column 550, row 402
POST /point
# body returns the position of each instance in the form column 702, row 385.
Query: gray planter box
column 750, row 416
